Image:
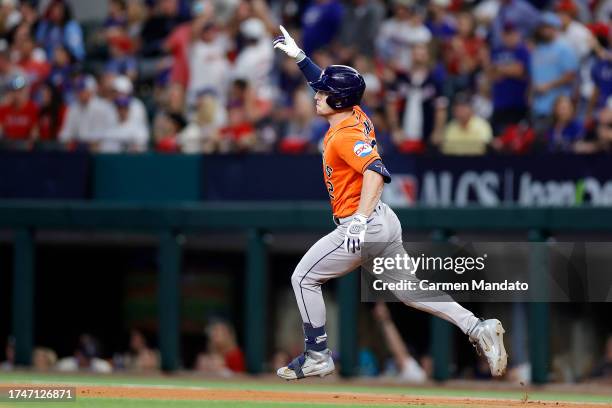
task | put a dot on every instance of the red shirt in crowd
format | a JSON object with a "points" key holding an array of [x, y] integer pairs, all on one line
{"points": [[45, 131], [178, 43], [234, 360], [464, 48], [18, 122], [237, 132]]}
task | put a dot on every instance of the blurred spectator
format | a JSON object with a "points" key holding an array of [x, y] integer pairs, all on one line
{"points": [[255, 60], [515, 139], [565, 130], [463, 53], [415, 104], [485, 12], [202, 133], [136, 14], [601, 73], [29, 14], [373, 94], [553, 70], [117, 16], [290, 79], [89, 117], [167, 128], [239, 133], [604, 127], [179, 41], [360, 24], [399, 33], [52, 112], [604, 369], [321, 24], [62, 73], [409, 369], [208, 63], [131, 131], [508, 70], [7, 70], [223, 356], [19, 115], [518, 12], [141, 356], [482, 103], [29, 58], [10, 16], [441, 23], [603, 13], [466, 134], [165, 17], [85, 358], [9, 354], [304, 129], [43, 359], [572, 31], [122, 60], [169, 119], [57, 28]]}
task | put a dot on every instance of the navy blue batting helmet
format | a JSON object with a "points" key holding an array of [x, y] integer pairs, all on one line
{"points": [[344, 85]]}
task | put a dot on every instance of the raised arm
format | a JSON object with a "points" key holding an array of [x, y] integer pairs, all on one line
{"points": [[287, 44]]}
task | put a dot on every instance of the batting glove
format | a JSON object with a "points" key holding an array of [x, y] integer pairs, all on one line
{"points": [[355, 233], [287, 44]]}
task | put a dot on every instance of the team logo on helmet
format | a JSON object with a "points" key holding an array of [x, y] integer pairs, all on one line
{"points": [[362, 149]]}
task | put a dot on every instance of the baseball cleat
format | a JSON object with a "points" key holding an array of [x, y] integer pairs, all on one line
{"points": [[310, 364], [488, 338]]}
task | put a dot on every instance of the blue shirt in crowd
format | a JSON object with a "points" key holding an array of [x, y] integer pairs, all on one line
{"points": [[443, 30], [321, 22], [602, 78], [511, 93], [518, 12], [563, 140], [121, 66], [549, 62], [69, 36]]}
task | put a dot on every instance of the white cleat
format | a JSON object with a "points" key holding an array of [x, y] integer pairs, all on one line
{"points": [[310, 364], [488, 338]]}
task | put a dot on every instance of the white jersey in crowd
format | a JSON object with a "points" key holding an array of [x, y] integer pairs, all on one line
{"points": [[396, 38], [254, 63], [131, 134], [579, 38], [88, 123], [208, 68]]}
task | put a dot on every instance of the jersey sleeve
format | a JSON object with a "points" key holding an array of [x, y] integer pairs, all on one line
{"points": [[356, 149]]}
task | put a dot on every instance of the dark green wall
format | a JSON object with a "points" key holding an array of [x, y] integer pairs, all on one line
{"points": [[146, 177]]}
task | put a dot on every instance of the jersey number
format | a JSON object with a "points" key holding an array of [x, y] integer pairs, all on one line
{"points": [[367, 128], [330, 186]]}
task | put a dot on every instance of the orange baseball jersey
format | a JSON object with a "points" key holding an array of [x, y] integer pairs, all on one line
{"points": [[348, 149]]}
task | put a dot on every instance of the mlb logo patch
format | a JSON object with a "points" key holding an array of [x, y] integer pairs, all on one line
{"points": [[362, 149]]}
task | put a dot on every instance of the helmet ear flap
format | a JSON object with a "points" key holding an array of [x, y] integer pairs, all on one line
{"points": [[333, 101], [340, 102]]}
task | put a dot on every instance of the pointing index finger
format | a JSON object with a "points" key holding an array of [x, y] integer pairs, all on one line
{"points": [[285, 33]]}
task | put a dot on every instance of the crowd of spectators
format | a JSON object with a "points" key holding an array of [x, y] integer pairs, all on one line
{"points": [[220, 354], [461, 77]]}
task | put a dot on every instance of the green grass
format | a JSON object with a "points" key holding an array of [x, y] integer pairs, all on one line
{"points": [[253, 384]]}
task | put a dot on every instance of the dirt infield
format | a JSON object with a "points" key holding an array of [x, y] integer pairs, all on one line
{"points": [[164, 393]]}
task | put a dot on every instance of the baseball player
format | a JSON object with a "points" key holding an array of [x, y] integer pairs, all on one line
{"points": [[354, 175]]}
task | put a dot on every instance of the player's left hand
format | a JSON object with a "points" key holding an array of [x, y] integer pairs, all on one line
{"points": [[287, 44], [355, 233]]}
